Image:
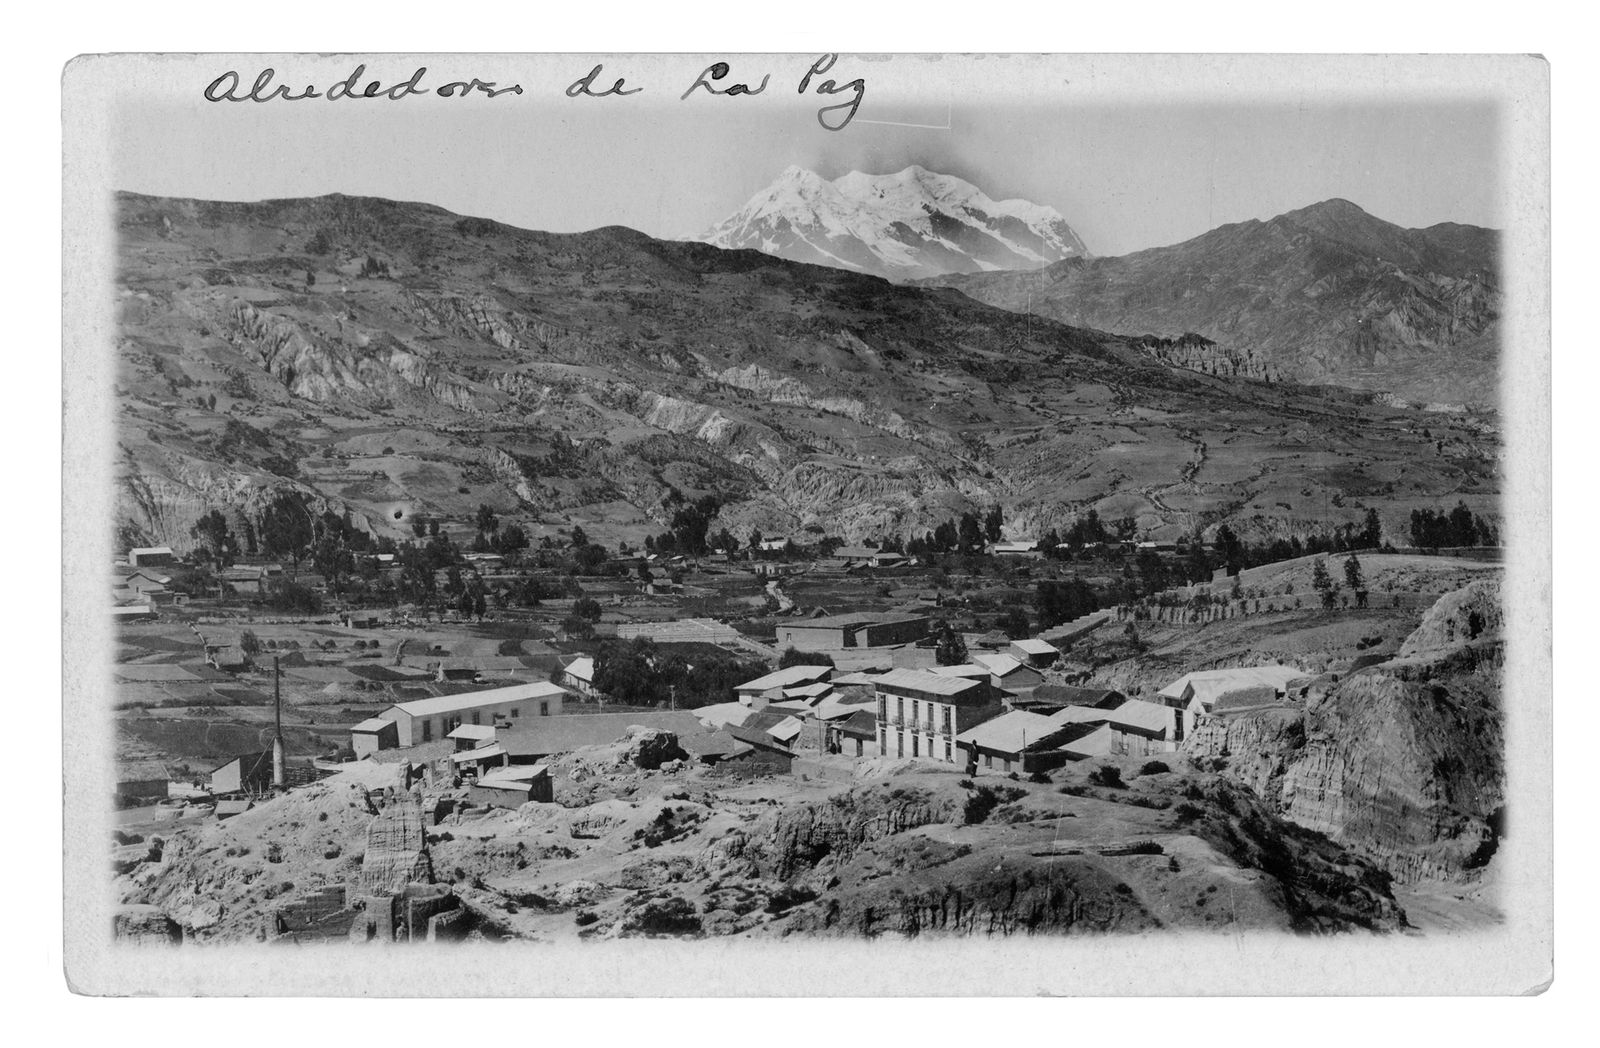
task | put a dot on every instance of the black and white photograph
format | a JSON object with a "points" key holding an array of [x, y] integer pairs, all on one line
{"points": [[805, 517]]}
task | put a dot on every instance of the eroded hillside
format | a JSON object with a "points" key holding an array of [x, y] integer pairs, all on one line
{"points": [[395, 359]]}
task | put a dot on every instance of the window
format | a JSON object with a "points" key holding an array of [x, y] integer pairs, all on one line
{"points": [[916, 744], [899, 744], [515, 712], [946, 722], [477, 717], [544, 709], [947, 751], [899, 708], [883, 706], [988, 760]]}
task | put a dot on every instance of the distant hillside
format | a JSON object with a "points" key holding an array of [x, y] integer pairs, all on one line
{"points": [[396, 360], [1327, 293]]}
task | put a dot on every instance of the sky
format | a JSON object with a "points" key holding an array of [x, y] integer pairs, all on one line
{"points": [[1132, 155]]}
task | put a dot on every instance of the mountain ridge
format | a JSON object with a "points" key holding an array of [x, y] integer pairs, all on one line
{"points": [[395, 361], [1325, 293]]}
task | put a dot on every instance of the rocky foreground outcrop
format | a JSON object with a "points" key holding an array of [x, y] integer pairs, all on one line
{"points": [[956, 858], [1404, 760]]}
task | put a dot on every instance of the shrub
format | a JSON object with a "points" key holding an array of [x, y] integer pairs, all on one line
{"points": [[986, 799], [1106, 775], [670, 916], [1187, 812], [1154, 768], [584, 918], [1039, 777], [787, 898]]}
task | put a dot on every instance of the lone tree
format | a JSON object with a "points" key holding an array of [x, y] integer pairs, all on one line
{"points": [[1352, 573], [215, 538], [1323, 584], [951, 649], [286, 528]]}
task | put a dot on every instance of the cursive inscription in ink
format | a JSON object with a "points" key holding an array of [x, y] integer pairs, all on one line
{"points": [[717, 80]]}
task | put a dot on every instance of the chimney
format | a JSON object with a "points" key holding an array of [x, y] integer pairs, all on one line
{"points": [[278, 776]]}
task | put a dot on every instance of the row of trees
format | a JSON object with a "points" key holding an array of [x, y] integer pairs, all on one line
{"points": [[640, 672], [1431, 529], [967, 534]]}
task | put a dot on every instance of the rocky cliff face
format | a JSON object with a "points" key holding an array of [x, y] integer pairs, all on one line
{"points": [[1404, 760], [1198, 353], [885, 860], [397, 848]]}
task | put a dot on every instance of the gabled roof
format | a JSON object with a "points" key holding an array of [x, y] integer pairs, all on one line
{"points": [[861, 724], [931, 683], [504, 782], [852, 620], [540, 736], [999, 665], [1035, 646], [581, 668], [478, 699], [372, 724], [789, 677], [482, 753], [966, 669], [475, 732], [1010, 732], [786, 730], [1208, 684], [1098, 741], [855, 552], [712, 744], [1145, 716], [1067, 695], [808, 691]]}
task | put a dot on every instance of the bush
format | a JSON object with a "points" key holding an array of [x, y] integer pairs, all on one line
{"points": [[1106, 775], [670, 916], [1039, 777], [986, 799], [1187, 812], [1154, 768], [584, 918], [787, 898]]}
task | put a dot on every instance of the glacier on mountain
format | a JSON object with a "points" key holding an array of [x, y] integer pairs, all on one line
{"points": [[914, 223]]}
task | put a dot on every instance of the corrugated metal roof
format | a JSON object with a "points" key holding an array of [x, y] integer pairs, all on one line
{"points": [[1009, 732], [1146, 716], [480, 754], [1209, 683], [923, 680], [478, 699], [786, 678]]}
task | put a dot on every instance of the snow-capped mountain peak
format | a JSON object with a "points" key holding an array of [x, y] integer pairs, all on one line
{"points": [[912, 223]]}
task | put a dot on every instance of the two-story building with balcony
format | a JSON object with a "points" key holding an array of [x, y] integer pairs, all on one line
{"points": [[920, 713]]}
